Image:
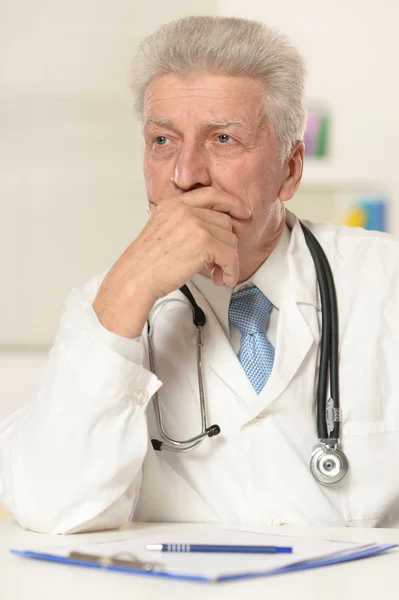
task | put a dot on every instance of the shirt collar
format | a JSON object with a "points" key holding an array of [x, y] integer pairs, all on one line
{"points": [[272, 278]]}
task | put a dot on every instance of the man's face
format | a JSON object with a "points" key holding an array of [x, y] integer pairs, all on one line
{"points": [[206, 129]]}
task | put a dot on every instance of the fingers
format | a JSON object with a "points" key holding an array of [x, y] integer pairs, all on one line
{"points": [[217, 275], [226, 237], [222, 235], [214, 217], [224, 261], [217, 200], [199, 224]]}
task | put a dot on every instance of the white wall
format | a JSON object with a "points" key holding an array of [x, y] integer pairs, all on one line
{"points": [[352, 51], [71, 188]]}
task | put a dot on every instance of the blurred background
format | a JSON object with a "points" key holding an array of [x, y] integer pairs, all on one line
{"points": [[71, 187]]}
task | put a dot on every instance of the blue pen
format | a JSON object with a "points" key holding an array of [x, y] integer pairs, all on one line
{"points": [[219, 548]]}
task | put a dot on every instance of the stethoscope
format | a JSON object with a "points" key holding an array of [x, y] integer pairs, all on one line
{"points": [[328, 464]]}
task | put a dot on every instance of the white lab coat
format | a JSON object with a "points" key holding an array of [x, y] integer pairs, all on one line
{"points": [[78, 458]]}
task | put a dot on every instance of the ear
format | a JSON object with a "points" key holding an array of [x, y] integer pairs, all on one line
{"points": [[292, 172]]}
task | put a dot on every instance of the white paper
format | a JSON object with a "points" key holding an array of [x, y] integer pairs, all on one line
{"points": [[215, 565]]}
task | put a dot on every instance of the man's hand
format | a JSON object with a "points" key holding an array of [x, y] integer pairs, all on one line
{"points": [[184, 233]]}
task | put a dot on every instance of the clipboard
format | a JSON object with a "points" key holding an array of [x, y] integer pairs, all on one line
{"points": [[129, 556]]}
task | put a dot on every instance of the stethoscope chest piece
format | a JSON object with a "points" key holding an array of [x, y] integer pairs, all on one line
{"points": [[328, 464]]}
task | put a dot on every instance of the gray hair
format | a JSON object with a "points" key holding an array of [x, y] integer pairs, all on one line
{"points": [[235, 47]]}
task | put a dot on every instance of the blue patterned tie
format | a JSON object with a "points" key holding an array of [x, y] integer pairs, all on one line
{"points": [[249, 310]]}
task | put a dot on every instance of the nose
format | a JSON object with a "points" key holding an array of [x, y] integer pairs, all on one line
{"points": [[191, 170]]}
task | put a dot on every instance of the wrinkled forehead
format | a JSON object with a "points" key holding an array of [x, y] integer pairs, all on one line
{"points": [[205, 97]]}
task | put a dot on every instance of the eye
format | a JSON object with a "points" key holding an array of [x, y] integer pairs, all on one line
{"points": [[224, 138], [161, 140]]}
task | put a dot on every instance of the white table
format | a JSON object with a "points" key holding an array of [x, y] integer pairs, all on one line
{"points": [[22, 578]]}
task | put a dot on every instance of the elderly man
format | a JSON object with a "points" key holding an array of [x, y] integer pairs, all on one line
{"points": [[221, 101]]}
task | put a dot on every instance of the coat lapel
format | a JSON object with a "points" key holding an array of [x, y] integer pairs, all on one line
{"points": [[220, 356], [293, 343], [295, 334]]}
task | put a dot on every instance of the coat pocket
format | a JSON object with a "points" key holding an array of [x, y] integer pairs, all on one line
{"points": [[371, 487]]}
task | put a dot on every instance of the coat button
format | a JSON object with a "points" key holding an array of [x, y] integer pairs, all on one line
{"points": [[279, 521], [140, 396]]}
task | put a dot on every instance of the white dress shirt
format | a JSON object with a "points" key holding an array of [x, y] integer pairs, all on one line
{"points": [[78, 457]]}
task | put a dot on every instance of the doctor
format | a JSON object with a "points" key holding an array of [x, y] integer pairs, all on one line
{"points": [[221, 101]]}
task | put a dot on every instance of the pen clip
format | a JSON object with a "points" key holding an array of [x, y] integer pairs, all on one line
{"points": [[122, 559]]}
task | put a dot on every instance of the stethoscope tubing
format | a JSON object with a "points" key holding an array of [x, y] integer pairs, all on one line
{"points": [[329, 338], [167, 442]]}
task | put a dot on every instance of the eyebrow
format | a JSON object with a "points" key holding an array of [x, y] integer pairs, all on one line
{"points": [[159, 121], [222, 124]]}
